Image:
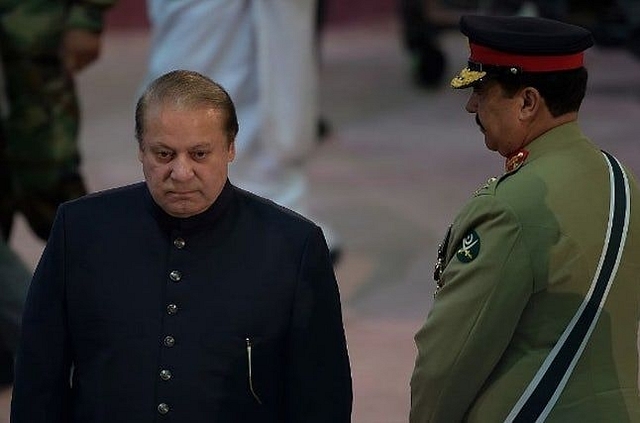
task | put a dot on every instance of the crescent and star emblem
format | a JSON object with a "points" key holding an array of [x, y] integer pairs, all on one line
{"points": [[470, 247]]}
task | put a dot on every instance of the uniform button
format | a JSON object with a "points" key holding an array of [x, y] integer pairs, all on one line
{"points": [[175, 275], [163, 408], [169, 341], [179, 243], [172, 309], [165, 374]]}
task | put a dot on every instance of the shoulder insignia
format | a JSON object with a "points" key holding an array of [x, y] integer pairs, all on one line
{"points": [[485, 186], [470, 248]]}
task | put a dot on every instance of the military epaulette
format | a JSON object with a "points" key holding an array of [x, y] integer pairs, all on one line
{"points": [[487, 188]]}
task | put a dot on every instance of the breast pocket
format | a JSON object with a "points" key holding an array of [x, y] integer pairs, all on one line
{"points": [[250, 368]]}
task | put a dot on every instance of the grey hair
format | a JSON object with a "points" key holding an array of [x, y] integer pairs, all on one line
{"points": [[186, 89]]}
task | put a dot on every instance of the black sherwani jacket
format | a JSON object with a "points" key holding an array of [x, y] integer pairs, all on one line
{"points": [[232, 315]]}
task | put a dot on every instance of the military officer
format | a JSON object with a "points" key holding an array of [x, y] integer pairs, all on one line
{"points": [[536, 310]]}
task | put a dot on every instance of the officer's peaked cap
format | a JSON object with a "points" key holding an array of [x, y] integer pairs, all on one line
{"points": [[515, 44]]}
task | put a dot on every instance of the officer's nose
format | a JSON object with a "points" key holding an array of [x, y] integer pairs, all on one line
{"points": [[472, 103]]}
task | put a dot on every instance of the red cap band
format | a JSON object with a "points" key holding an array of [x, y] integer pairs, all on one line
{"points": [[528, 63]]}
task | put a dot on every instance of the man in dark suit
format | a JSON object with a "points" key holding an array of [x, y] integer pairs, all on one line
{"points": [[183, 299]]}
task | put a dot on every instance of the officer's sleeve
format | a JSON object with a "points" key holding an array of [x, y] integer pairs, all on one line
{"points": [[42, 377], [486, 287], [88, 14], [318, 371]]}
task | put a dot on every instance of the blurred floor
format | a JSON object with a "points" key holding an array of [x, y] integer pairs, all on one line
{"points": [[399, 164]]}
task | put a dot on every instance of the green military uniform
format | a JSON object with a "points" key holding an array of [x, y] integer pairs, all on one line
{"points": [[519, 262], [41, 153]]}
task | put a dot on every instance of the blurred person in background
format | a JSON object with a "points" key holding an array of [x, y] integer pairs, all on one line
{"points": [[613, 23], [421, 22], [265, 53], [14, 279], [43, 43], [535, 316]]}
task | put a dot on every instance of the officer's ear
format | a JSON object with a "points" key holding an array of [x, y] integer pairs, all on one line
{"points": [[531, 102]]}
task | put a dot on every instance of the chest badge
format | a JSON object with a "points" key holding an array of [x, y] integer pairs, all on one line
{"points": [[470, 248]]}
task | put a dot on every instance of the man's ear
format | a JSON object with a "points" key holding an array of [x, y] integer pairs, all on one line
{"points": [[232, 151], [140, 152], [532, 101]]}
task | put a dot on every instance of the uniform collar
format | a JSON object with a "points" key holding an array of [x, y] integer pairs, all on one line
{"points": [[554, 139]]}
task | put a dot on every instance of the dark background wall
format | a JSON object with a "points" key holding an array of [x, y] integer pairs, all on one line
{"points": [[131, 14]]}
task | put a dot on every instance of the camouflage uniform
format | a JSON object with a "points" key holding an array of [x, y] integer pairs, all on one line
{"points": [[41, 157]]}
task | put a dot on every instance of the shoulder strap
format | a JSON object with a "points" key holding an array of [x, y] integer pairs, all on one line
{"points": [[545, 388]]}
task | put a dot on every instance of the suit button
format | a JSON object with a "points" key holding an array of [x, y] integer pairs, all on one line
{"points": [[163, 408], [179, 243], [169, 341], [175, 275], [172, 309], [165, 374]]}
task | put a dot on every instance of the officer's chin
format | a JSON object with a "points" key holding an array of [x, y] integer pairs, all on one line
{"points": [[492, 146]]}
